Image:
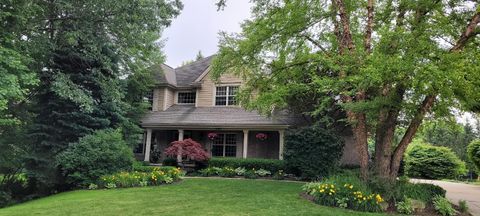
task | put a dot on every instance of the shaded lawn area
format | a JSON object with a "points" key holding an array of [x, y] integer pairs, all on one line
{"points": [[199, 196]]}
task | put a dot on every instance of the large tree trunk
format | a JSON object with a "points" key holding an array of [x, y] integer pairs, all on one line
{"points": [[409, 134]]}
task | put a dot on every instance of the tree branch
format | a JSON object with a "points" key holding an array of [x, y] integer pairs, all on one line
{"points": [[369, 27], [470, 31]]}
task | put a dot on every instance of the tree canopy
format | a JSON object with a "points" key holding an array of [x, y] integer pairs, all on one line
{"points": [[79, 66], [383, 63]]}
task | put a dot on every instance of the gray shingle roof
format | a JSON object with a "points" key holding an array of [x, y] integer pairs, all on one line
{"points": [[182, 76], [225, 117]]}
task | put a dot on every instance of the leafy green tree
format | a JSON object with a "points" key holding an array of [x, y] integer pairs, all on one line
{"points": [[450, 134], [92, 46], [385, 64], [16, 76], [473, 151]]}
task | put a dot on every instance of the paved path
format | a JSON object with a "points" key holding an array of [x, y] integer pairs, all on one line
{"points": [[459, 191]]}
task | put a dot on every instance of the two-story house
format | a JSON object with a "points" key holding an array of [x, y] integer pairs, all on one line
{"points": [[187, 103]]}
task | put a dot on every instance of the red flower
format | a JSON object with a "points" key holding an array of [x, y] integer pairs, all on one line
{"points": [[212, 135], [261, 136]]}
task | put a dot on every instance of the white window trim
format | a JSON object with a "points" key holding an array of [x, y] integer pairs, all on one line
{"points": [[178, 92], [224, 145], [227, 94]]}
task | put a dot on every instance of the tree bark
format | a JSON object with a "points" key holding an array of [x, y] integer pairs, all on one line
{"points": [[357, 119], [411, 131], [369, 28]]}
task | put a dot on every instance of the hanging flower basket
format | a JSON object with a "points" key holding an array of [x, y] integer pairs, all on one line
{"points": [[261, 136], [212, 135]]}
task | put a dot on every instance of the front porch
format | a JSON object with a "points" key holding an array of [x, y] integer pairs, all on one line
{"points": [[235, 142]]}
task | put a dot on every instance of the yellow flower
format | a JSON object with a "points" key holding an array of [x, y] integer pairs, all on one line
{"points": [[329, 193], [351, 186], [321, 191]]}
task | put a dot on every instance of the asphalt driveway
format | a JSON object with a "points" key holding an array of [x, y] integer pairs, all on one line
{"points": [[459, 191]]}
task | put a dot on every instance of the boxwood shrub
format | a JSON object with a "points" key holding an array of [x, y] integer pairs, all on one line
{"points": [[423, 160], [271, 165]]}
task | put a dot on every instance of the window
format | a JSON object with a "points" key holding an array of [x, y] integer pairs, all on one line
{"points": [[148, 98], [186, 97], [225, 145], [226, 95]]}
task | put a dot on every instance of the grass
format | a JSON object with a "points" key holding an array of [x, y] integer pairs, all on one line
{"points": [[198, 196]]}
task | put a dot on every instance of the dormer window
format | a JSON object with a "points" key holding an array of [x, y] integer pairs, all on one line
{"points": [[186, 97], [226, 96]]}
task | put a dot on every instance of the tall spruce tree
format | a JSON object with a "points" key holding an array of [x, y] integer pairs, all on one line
{"points": [[92, 45]]}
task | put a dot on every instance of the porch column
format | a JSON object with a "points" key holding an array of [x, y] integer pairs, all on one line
{"points": [[180, 134], [281, 136], [180, 138], [148, 144], [245, 143]]}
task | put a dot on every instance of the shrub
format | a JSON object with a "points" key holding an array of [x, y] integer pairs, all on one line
{"points": [[312, 152], [92, 186], [250, 174], [101, 153], [443, 206], [170, 162], [240, 171], [159, 175], [432, 162], [473, 152], [405, 206], [227, 172], [335, 191], [422, 191], [248, 163], [280, 175], [210, 171], [399, 190], [5, 199], [262, 172], [187, 148], [463, 206]]}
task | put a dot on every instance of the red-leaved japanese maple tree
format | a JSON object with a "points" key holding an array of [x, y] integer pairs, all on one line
{"points": [[187, 148]]}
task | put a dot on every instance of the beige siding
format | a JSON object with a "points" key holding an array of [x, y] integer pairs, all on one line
{"points": [[158, 99], [206, 93], [170, 97]]}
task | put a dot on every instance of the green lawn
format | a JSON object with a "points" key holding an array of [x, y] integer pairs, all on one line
{"points": [[190, 197]]}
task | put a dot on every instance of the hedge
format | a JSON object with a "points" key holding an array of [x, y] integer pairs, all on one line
{"points": [[271, 165]]}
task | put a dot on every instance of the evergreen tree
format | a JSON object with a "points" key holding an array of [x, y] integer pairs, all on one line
{"points": [[92, 46]]}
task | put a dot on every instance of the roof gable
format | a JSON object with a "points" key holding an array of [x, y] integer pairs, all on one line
{"points": [[185, 75]]}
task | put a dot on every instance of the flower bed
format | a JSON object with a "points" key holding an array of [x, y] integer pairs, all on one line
{"points": [[344, 196], [237, 172], [158, 176]]}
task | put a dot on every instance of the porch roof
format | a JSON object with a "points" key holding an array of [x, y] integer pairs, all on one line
{"points": [[188, 116]]}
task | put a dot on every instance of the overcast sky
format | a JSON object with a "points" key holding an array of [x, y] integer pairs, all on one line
{"points": [[197, 27]]}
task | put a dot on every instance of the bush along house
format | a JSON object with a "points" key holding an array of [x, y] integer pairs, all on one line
{"points": [[187, 103]]}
